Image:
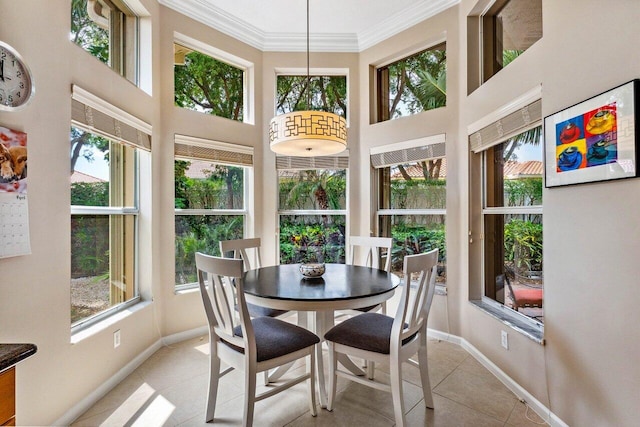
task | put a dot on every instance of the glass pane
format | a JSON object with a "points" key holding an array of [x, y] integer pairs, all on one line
{"points": [[414, 84], [103, 173], [102, 263], [513, 262], [328, 93], [416, 234], [518, 25], [203, 184], [207, 85], [514, 170], [201, 233], [312, 238], [312, 189], [90, 28], [420, 185]]}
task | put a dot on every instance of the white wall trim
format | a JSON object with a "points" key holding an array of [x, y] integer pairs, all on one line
{"points": [[519, 391], [82, 406], [220, 20]]}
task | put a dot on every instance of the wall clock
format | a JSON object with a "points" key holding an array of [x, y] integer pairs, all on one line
{"points": [[16, 85]]}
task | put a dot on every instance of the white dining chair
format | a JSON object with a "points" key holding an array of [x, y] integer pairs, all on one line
{"points": [[241, 249], [371, 250], [250, 344], [380, 338]]}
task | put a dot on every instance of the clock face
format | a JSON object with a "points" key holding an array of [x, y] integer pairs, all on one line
{"points": [[16, 87]]}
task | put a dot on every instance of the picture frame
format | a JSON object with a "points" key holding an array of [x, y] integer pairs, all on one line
{"points": [[594, 140]]}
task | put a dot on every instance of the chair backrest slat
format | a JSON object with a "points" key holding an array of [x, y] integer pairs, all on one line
{"points": [[220, 281], [239, 248], [416, 298], [373, 247]]}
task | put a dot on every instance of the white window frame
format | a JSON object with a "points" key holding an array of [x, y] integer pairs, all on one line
{"points": [[248, 201], [248, 68]]}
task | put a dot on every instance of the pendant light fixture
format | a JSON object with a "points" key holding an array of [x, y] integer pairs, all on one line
{"points": [[308, 133]]}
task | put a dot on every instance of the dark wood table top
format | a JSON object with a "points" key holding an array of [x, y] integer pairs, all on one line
{"points": [[339, 282]]}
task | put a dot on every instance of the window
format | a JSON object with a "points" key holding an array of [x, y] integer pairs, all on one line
{"points": [[498, 32], [328, 93], [312, 209], [104, 212], [413, 84], [106, 145], [412, 201], [107, 29], [208, 85], [210, 206], [511, 212]]}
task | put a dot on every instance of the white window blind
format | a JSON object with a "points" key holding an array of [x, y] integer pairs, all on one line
{"points": [[307, 163], [219, 152], [98, 116], [414, 150], [507, 127]]}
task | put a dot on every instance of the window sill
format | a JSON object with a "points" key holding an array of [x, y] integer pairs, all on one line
{"points": [[108, 322], [521, 326]]}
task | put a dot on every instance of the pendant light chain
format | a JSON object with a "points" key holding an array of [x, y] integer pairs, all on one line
{"points": [[308, 133], [308, 78]]}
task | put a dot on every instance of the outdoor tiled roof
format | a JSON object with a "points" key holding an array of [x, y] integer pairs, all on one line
{"points": [[512, 170], [83, 177]]}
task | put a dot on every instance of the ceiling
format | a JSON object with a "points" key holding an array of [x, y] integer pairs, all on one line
{"points": [[334, 25]]}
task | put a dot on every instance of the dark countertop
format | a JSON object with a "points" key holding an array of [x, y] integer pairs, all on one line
{"points": [[10, 354]]}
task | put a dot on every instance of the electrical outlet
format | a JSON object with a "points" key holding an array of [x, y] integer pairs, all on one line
{"points": [[504, 339], [116, 338]]}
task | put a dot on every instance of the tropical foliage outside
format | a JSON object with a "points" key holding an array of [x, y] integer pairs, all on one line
{"points": [[205, 84]]}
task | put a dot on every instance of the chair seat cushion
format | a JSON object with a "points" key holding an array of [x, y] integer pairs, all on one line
{"points": [[367, 309], [260, 311], [275, 338], [367, 331]]}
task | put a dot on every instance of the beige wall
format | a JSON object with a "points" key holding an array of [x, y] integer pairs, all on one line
{"points": [[586, 374]]}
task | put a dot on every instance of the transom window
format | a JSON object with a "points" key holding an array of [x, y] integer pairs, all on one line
{"points": [[498, 32], [328, 93], [208, 85], [107, 29], [413, 84]]}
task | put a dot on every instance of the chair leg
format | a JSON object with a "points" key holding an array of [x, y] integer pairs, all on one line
{"points": [[333, 377], [214, 378], [250, 397], [311, 367], [370, 368], [424, 377], [395, 372]]}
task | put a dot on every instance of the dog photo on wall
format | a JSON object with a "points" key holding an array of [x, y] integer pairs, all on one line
{"points": [[13, 161]]}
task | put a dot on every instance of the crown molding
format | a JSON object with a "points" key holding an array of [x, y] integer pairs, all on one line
{"points": [[401, 21], [224, 22]]}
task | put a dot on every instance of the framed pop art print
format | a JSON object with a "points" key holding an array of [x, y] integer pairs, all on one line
{"points": [[595, 140]]}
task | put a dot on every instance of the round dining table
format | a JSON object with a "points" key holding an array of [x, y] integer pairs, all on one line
{"points": [[341, 287]]}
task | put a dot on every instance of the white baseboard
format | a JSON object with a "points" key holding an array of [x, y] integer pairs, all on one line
{"points": [[542, 411], [185, 335], [81, 407]]}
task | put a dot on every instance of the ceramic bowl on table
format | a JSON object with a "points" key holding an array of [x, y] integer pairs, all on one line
{"points": [[312, 270]]}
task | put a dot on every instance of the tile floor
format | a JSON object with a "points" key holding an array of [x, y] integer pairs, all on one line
{"points": [[170, 387]]}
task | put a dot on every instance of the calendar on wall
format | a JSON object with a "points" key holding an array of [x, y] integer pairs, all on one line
{"points": [[14, 209]]}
